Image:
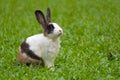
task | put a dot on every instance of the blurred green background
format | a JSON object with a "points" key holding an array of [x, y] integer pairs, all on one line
{"points": [[91, 36]]}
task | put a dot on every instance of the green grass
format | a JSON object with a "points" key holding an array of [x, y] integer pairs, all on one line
{"points": [[91, 32]]}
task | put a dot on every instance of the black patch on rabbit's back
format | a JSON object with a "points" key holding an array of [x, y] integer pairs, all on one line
{"points": [[25, 49]]}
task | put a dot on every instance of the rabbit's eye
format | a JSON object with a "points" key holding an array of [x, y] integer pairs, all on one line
{"points": [[50, 28]]}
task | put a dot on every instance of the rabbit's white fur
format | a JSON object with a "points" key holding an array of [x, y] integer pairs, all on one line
{"points": [[46, 47]]}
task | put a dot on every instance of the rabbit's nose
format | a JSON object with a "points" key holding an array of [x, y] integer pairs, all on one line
{"points": [[60, 31]]}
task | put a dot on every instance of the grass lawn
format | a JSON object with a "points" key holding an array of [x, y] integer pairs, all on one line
{"points": [[90, 47]]}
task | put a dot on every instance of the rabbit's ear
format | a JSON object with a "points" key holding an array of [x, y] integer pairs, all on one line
{"points": [[48, 16], [41, 19]]}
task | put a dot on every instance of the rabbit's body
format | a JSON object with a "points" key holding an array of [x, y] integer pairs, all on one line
{"points": [[41, 48]]}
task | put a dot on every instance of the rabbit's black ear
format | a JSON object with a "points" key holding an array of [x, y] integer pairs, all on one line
{"points": [[48, 16], [41, 19]]}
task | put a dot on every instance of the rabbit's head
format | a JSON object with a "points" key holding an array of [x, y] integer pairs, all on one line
{"points": [[51, 30]]}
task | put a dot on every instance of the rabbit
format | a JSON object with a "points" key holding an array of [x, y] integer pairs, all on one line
{"points": [[41, 48]]}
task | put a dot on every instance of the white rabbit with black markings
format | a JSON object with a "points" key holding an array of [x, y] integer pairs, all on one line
{"points": [[41, 48]]}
